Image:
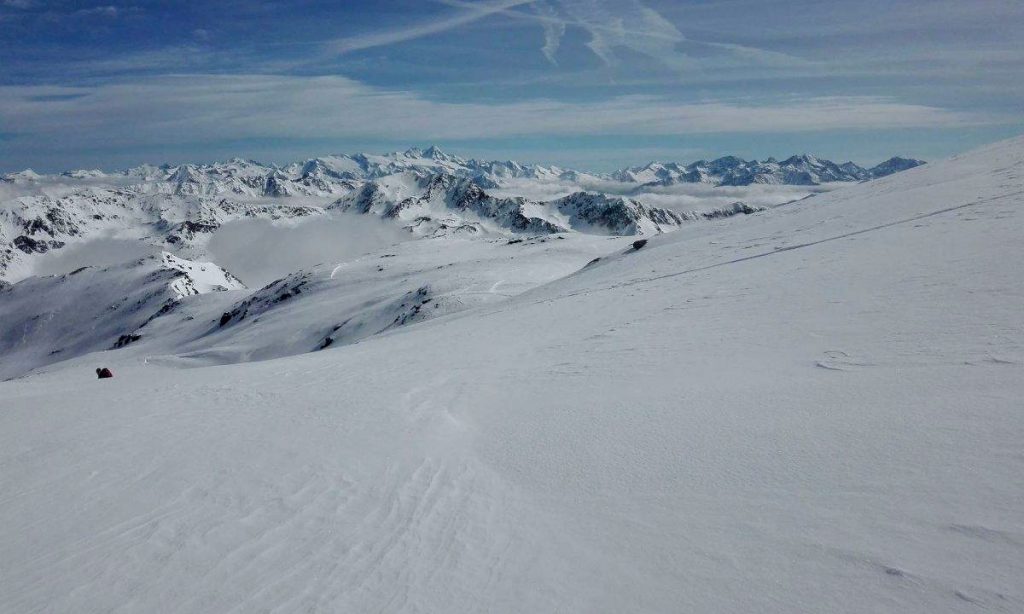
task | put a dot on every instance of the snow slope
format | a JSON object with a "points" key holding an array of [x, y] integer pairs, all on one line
{"points": [[811, 409], [49, 319], [334, 305]]}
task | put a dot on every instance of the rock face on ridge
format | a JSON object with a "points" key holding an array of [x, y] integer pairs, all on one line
{"points": [[447, 203]]}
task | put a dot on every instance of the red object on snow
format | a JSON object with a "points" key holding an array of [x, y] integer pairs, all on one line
{"points": [[104, 373]]}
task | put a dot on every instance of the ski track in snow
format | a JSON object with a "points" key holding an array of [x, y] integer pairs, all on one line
{"points": [[787, 248]]}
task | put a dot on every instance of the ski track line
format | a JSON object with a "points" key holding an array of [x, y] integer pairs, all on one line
{"points": [[779, 250]]}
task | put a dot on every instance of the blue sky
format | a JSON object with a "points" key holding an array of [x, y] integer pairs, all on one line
{"points": [[594, 84]]}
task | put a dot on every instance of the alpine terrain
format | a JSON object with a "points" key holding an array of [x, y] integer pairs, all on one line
{"points": [[420, 383]]}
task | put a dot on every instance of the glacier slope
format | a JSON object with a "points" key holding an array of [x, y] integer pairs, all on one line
{"points": [[811, 409]]}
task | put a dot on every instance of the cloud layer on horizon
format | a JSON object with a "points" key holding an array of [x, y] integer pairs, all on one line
{"points": [[195, 109]]}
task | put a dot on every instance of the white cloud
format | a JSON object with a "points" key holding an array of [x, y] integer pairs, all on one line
{"points": [[554, 30], [615, 25], [194, 109], [108, 10], [260, 251], [682, 197], [470, 13]]}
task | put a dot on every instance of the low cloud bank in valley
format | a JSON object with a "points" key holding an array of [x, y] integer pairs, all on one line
{"points": [[260, 251], [96, 252], [682, 197]]}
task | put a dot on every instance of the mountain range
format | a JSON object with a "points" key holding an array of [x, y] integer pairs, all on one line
{"points": [[427, 192], [732, 171], [332, 174]]}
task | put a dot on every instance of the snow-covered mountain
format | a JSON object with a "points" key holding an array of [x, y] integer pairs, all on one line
{"points": [[815, 408], [53, 318], [26, 176], [732, 171], [445, 203], [203, 314], [34, 225], [895, 164], [442, 203]]}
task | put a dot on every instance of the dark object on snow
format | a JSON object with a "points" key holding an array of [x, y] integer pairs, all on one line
{"points": [[104, 373], [124, 340], [639, 244]]}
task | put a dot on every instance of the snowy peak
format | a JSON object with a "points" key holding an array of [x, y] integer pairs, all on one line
{"points": [[601, 214], [434, 153], [196, 277], [26, 176], [855, 170], [724, 164], [186, 179], [895, 164], [84, 174], [805, 160]]}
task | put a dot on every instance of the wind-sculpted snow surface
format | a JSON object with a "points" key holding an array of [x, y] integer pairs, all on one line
{"points": [[811, 409]]}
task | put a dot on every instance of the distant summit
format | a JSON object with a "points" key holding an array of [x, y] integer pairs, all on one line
{"points": [[895, 164]]}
